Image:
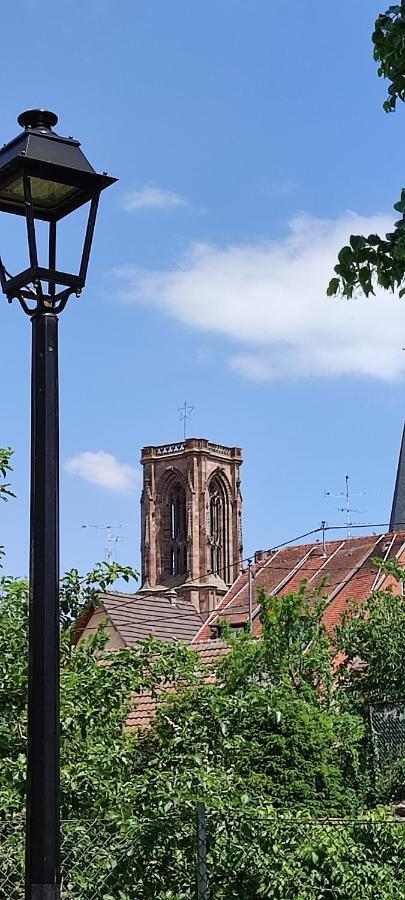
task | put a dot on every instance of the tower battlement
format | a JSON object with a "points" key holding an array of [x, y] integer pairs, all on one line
{"points": [[191, 445]]}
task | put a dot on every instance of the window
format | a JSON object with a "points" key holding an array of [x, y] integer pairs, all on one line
{"points": [[177, 521], [217, 631], [219, 529]]}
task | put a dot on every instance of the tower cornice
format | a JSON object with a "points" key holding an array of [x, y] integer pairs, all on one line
{"points": [[191, 446]]}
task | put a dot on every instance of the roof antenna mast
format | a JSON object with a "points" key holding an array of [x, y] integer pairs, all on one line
{"points": [[347, 508], [111, 539]]}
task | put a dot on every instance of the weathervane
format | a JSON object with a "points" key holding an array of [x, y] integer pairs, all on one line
{"points": [[185, 414]]}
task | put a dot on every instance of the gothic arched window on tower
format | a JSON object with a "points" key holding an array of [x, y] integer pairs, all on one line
{"points": [[219, 529], [177, 530]]}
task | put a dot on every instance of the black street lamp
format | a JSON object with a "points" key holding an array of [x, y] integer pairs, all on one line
{"points": [[44, 176]]}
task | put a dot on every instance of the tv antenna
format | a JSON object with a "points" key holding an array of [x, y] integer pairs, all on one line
{"points": [[347, 494], [185, 414], [111, 539]]}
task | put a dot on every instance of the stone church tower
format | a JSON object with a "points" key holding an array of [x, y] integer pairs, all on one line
{"points": [[191, 520]]}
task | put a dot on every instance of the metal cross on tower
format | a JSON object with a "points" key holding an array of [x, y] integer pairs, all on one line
{"points": [[185, 414]]}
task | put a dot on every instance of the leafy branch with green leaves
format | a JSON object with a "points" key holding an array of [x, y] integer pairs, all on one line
{"points": [[389, 51], [373, 261], [370, 637], [5, 489], [78, 592], [265, 745], [5, 467]]}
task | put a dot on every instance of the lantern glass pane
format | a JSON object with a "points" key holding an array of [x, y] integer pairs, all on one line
{"points": [[45, 194]]}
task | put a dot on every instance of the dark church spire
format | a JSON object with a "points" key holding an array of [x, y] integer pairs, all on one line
{"points": [[397, 521]]}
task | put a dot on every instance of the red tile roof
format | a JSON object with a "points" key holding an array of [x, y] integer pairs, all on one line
{"points": [[144, 710], [211, 652], [347, 568], [145, 704]]}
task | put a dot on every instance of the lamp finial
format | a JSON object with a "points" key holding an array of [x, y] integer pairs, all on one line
{"points": [[37, 118]]}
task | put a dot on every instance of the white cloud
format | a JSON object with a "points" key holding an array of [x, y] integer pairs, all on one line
{"points": [[270, 297], [149, 197], [104, 470]]}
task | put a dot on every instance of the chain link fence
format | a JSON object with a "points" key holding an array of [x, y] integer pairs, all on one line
{"points": [[388, 733], [303, 858], [207, 854], [202, 869]]}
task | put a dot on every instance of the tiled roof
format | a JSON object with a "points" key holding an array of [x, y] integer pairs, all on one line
{"points": [[144, 709], [137, 616], [145, 705], [346, 567], [211, 652]]}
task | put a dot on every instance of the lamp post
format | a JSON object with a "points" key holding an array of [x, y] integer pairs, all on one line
{"points": [[45, 177]]}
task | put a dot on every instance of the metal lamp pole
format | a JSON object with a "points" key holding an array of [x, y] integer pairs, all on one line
{"points": [[43, 763], [45, 176]]}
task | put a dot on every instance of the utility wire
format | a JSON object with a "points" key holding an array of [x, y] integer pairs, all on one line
{"points": [[360, 576], [206, 574], [284, 568], [230, 610], [271, 568]]}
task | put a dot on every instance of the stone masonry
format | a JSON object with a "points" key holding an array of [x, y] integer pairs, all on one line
{"points": [[191, 514]]}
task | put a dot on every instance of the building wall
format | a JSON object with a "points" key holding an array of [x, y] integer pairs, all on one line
{"points": [[99, 616]]}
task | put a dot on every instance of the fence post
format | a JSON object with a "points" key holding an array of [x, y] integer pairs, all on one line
{"points": [[202, 875]]}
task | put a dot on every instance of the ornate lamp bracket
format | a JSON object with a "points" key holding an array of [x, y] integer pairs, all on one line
{"points": [[33, 300]]}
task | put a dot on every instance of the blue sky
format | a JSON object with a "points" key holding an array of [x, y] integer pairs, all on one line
{"points": [[249, 140]]}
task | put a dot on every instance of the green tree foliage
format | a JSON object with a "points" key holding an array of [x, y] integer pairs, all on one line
{"points": [[269, 747], [267, 732], [5, 468], [371, 260], [373, 674], [371, 638], [96, 690], [5, 489], [389, 51], [77, 592]]}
